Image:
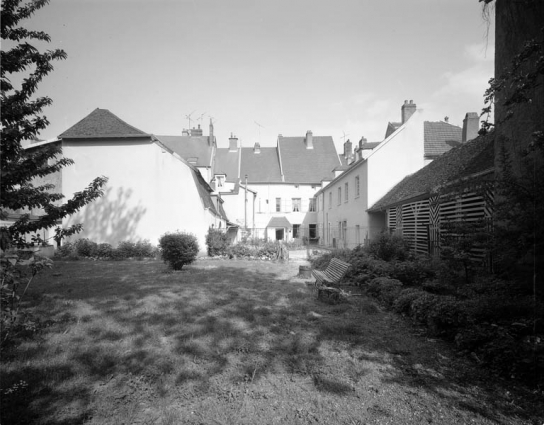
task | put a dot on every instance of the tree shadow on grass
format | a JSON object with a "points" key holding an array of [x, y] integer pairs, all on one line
{"points": [[133, 334]]}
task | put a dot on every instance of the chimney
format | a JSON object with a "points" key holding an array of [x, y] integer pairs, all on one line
{"points": [[309, 140], [185, 132], [347, 149], [471, 126], [233, 143], [196, 131], [210, 137], [257, 148], [407, 110], [360, 150]]}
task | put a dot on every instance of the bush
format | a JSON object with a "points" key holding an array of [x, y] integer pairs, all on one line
{"points": [[140, 249], [104, 250], [178, 249], [385, 289], [241, 250], [387, 247], [420, 308], [85, 248], [217, 242], [412, 272], [406, 297], [268, 250], [65, 250]]}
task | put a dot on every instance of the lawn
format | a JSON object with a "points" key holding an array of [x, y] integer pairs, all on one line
{"points": [[232, 342]]}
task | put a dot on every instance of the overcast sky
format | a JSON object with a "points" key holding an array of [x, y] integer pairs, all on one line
{"points": [[332, 67]]}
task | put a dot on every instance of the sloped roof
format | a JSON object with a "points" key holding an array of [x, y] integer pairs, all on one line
{"points": [[370, 145], [101, 123], [279, 222], [260, 167], [227, 162], [391, 128], [467, 159], [440, 137], [190, 147], [204, 192], [301, 165]]}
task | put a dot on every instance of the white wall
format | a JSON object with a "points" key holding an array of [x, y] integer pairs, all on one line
{"points": [[149, 192], [396, 157]]}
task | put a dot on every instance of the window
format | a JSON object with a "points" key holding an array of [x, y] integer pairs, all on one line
{"points": [[296, 230], [346, 192], [313, 231], [356, 186], [296, 204], [330, 200], [278, 204], [312, 207], [339, 195]]}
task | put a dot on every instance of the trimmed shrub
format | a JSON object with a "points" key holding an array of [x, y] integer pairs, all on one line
{"points": [[217, 242], [140, 249], [412, 272], [85, 248], [387, 247], [267, 250], [178, 249], [446, 316], [420, 308]]}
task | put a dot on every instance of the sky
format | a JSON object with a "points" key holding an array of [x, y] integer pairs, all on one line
{"points": [[260, 68]]}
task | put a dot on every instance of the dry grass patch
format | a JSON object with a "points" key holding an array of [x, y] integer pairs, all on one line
{"points": [[223, 342]]}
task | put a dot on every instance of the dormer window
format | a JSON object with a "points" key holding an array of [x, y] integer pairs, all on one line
{"points": [[220, 181]]}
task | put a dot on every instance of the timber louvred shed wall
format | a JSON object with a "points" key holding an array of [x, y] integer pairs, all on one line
{"points": [[457, 187]]}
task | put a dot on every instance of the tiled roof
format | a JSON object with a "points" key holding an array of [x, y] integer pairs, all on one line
{"points": [[189, 147], [227, 162], [204, 191], [101, 123], [391, 128], [279, 222], [467, 159], [301, 165], [440, 137], [260, 167]]}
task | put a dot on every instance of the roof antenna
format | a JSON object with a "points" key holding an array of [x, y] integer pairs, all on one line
{"points": [[344, 135], [201, 118], [260, 126], [189, 118]]}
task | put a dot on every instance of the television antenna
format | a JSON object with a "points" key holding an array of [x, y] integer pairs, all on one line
{"points": [[260, 126], [344, 136], [212, 120], [189, 118], [201, 118]]}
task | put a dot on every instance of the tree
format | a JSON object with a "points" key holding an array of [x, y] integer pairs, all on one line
{"points": [[22, 120]]}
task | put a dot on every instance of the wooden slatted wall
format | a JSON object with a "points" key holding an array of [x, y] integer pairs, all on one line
{"points": [[415, 218]]}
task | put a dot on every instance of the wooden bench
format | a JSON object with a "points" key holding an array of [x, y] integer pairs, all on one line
{"points": [[324, 280]]}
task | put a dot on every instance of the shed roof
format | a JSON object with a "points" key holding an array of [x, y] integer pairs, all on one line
{"points": [[101, 123], [462, 161]]}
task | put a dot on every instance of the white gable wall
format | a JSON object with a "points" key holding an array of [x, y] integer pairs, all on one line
{"points": [[149, 192]]}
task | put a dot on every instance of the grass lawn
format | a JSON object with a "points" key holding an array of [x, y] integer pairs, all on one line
{"points": [[232, 342]]}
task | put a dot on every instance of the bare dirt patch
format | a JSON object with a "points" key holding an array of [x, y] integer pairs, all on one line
{"points": [[234, 342]]}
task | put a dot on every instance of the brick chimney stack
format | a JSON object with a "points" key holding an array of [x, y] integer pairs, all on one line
{"points": [[233, 143], [347, 149], [211, 137], [309, 140], [471, 125], [407, 110]]}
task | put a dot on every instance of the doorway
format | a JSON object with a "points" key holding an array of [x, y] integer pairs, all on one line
{"points": [[279, 234]]}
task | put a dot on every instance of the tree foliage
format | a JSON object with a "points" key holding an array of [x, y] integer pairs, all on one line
{"points": [[22, 119]]}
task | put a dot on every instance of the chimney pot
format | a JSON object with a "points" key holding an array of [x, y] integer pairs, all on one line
{"points": [[233, 143]]}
